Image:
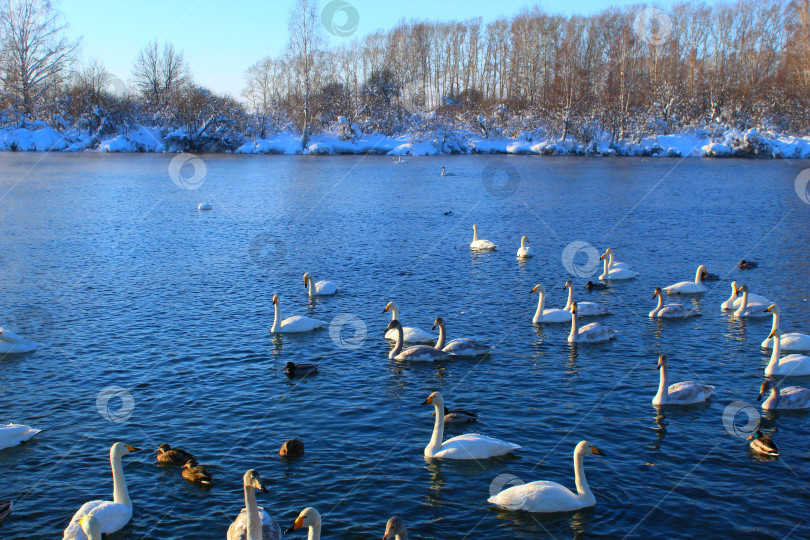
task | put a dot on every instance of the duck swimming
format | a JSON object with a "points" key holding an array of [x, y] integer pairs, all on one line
{"points": [[172, 456], [196, 473], [292, 448], [296, 370]]}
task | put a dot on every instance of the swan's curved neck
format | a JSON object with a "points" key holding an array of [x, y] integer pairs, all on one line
{"points": [[663, 387], [610, 260], [254, 525], [394, 313], [574, 327], [775, 325], [541, 302], [120, 493], [773, 399], [314, 532], [277, 317], [438, 431], [774, 356], [699, 277], [523, 242], [311, 284], [743, 304], [442, 337], [475, 234], [400, 341], [605, 266], [583, 488], [570, 299], [402, 535], [660, 305]]}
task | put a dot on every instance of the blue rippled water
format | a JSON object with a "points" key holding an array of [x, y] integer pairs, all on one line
{"points": [[108, 265]]}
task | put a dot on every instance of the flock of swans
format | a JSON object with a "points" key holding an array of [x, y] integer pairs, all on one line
{"points": [[254, 523]]}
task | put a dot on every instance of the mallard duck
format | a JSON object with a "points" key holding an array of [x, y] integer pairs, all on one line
{"points": [[172, 456], [395, 529], [292, 448], [196, 473], [5, 509], [763, 444], [294, 370], [591, 286], [459, 416], [747, 265]]}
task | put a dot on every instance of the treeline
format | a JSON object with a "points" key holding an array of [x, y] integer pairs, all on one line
{"points": [[619, 74]]}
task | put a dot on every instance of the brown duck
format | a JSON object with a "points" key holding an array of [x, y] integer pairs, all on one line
{"points": [[292, 448], [196, 473], [172, 456]]}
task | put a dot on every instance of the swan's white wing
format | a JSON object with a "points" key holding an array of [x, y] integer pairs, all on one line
{"points": [[541, 496], [555, 316], [595, 332], [617, 264], [793, 364], [466, 347], [794, 397], [14, 434], [688, 392], [111, 516], [482, 244], [752, 299], [238, 529], [422, 353], [792, 341], [411, 334], [619, 273], [754, 310], [585, 309], [300, 323], [474, 446], [676, 311], [325, 288]]}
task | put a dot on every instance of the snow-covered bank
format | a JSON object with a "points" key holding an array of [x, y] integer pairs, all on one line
{"points": [[696, 143]]}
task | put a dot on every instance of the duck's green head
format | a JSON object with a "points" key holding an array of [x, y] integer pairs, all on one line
{"points": [[757, 435]]}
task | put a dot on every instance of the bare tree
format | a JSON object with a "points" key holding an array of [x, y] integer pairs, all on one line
{"points": [[306, 41], [36, 52], [160, 74]]}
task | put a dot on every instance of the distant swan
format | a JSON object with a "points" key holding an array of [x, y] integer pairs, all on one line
{"points": [[590, 333], [411, 334], [543, 315], [790, 398], [398, 160], [790, 365], [321, 288], [12, 343], [480, 244], [747, 309], [294, 324], [253, 523], [447, 173], [681, 393], [615, 273], [467, 446], [790, 341], [461, 346], [14, 434], [689, 287], [585, 309], [524, 251], [548, 497], [205, 206], [734, 301], [670, 311], [417, 353]]}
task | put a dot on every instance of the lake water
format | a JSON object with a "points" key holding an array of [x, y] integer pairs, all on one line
{"points": [[107, 264]]}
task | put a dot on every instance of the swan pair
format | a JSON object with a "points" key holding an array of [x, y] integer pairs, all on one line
{"points": [[681, 393], [747, 309], [548, 497], [294, 324], [543, 315], [790, 341], [613, 270], [14, 434], [11, 343], [467, 446], [112, 515], [320, 288], [735, 301], [790, 398], [670, 311], [690, 287], [411, 334]]}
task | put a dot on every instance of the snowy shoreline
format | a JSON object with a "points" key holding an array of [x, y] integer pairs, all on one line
{"points": [[697, 143]]}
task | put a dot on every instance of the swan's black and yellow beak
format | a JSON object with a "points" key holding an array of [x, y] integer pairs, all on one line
{"points": [[299, 522], [386, 309], [655, 293], [428, 401], [275, 300], [596, 451], [533, 290], [131, 448]]}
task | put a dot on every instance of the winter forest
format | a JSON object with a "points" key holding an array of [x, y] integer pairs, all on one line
{"points": [[730, 78]]}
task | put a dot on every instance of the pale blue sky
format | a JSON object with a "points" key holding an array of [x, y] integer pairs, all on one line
{"points": [[221, 39]]}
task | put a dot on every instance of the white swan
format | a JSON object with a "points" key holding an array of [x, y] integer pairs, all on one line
{"points": [[681, 393], [670, 311], [14, 434], [689, 287], [748, 309], [790, 398], [590, 333], [398, 160], [524, 251], [309, 518], [585, 309], [615, 273], [613, 263], [445, 173], [395, 529], [294, 324], [467, 446], [411, 334], [790, 365], [253, 523], [735, 301], [205, 206], [790, 341], [547, 315], [91, 527], [321, 288], [547, 497], [480, 244], [111, 515], [459, 347], [417, 353], [12, 343]]}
